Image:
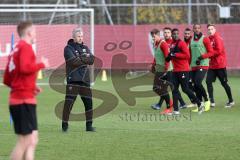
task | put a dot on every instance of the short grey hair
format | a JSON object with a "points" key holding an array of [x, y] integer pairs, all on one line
{"points": [[76, 30]]}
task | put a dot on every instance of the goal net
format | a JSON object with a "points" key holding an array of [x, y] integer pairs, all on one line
{"points": [[53, 26]]}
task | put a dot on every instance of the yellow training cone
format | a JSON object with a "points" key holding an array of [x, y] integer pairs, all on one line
{"points": [[40, 75], [104, 75]]}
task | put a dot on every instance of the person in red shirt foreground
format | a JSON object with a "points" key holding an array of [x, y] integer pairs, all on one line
{"points": [[179, 54], [20, 75], [217, 66]]}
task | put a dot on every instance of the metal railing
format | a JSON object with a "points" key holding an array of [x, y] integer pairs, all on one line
{"points": [[38, 5], [133, 8]]}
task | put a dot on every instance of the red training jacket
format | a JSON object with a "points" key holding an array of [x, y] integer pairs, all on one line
{"points": [[169, 42], [21, 72], [218, 56], [188, 41], [181, 59]]}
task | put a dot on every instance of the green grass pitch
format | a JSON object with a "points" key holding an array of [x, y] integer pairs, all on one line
{"points": [[214, 135]]}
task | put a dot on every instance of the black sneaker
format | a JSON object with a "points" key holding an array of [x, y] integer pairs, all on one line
{"points": [[64, 126], [183, 106], [229, 104], [91, 129]]}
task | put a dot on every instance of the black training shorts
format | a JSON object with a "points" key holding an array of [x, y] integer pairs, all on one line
{"points": [[24, 118]]}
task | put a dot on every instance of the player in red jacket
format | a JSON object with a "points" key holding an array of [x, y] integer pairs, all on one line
{"points": [[217, 66], [187, 40], [168, 38], [20, 76], [179, 54]]}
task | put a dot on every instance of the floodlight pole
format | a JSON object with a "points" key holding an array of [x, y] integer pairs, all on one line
{"points": [[107, 12], [134, 12], [189, 12], [24, 14]]}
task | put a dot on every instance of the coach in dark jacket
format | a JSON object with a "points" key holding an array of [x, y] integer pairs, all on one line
{"points": [[77, 57]]}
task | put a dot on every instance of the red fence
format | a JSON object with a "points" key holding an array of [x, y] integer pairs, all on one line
{"points": [[133, 41]]}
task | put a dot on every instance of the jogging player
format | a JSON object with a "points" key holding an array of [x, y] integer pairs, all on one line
{"points": [[217, 66], [160, 67], [187, 40], [179, 54], [20, 75], [168, 38], [199, 46]]}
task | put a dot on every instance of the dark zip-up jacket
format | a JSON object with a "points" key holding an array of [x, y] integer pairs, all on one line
{"points": [[77, 57]]}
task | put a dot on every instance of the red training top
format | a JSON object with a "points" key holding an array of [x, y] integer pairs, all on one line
{"points": [[21, 73], [188, 41], [218, 56], [169, 42], [181, 59]]}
